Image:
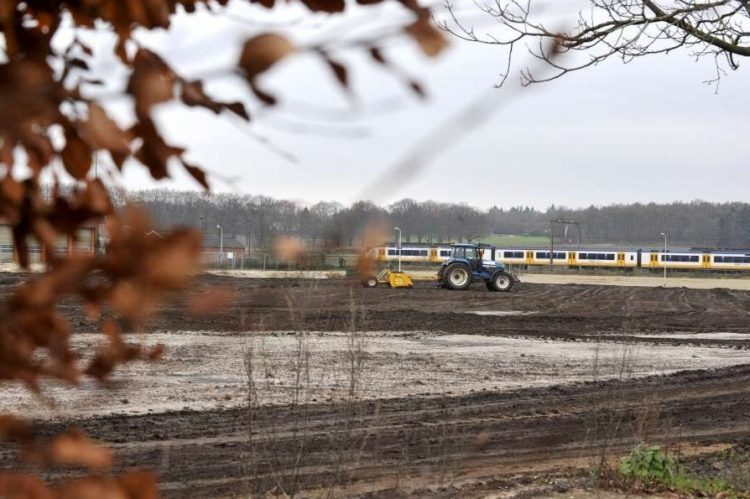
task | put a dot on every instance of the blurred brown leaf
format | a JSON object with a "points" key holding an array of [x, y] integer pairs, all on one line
{"points": [[13, 428], [152, 82], [73, 448], [198, 174], [339, 71], [287, 248], [258, 55], [23, 486], [211, 301], [193, 95], [139, 485], [101, 132], [329, 6], [263, 51], [431, 40], [76, 155]]}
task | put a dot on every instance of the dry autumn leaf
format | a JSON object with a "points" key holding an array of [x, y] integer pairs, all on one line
{"points": [[76, 155], [211, 301], [287, 248], [73, 448], [101, 132], [263, 51], [430, 39]]}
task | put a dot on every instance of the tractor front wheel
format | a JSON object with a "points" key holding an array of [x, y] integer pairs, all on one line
{"points": [[457, 276], [370, 281], [500, 281]]}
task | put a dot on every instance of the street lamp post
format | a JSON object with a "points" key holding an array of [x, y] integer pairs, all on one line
{"points": [[221, 244], [399, 247], [665, 258]]}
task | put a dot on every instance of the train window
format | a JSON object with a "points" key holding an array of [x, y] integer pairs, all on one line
{"points": [[392, 252], [693, 258], [583, 256], [611, 256], [731, 259], [445, 252], [544, 255]]}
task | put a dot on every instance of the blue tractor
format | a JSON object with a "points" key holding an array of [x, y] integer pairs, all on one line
{"points": [[474, 263]]}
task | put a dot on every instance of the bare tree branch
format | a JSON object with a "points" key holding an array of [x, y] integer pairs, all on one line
{"points": [[627, 29]]}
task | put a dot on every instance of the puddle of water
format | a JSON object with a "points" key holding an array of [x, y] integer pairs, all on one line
{"points": [[500, 313]]}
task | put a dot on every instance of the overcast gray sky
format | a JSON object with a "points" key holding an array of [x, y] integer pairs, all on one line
{"points": [[647, 131]]}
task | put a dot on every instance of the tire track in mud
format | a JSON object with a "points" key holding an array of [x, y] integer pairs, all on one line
{"points": [[419, 440]]}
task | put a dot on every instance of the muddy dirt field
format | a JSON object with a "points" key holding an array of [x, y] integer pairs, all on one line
{"points": [[422, 392]]}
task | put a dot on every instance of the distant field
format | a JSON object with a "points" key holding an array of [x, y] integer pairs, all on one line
{"points": [[513, 240]]}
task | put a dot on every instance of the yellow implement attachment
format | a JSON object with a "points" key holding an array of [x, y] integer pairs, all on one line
{"points": [[399, 280], [392, 278]]}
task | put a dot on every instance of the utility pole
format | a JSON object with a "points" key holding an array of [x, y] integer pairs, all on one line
{"points": [[399, 247], [566, 223], [664, 262], [221, 244]]}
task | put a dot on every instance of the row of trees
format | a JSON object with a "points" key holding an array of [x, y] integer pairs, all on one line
{"points": [[258, 219]]}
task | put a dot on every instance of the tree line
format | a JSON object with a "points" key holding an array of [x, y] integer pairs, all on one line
{"points": [[257, 219]]}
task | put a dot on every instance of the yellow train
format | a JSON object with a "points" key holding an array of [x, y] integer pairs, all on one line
{"points": [[691, 259]]}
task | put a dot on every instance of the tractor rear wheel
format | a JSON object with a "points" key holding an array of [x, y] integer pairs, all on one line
{"points": [[501, 281], [457, 276], [370, 281]]}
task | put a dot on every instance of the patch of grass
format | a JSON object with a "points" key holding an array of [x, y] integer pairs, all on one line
{"points": [[703, 486], [652, 466]]}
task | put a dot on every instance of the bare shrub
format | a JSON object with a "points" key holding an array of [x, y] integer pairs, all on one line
{"points": [[281, 453]]}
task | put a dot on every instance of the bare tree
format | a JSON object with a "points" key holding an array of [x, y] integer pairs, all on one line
{"points": [[604, 29]]}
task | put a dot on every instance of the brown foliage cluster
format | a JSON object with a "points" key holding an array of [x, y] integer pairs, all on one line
{"points": [[43, 100], [73, 449], [129, 280]]}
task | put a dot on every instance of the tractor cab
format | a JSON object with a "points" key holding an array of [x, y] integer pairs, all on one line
{"points": [[474, 263], [476, 255]]}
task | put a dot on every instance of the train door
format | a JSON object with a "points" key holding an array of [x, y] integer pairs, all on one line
{"points": [[638, 259], [529, 257], [381, 255], [434, 255], [620, 259], [654, 261], [705, 261], [571, 257]]}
